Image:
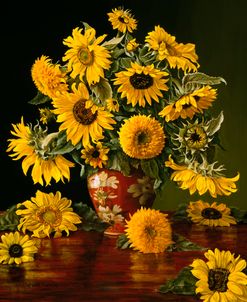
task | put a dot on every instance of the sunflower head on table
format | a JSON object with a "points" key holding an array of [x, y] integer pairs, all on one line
{"points": [[115, 102]]}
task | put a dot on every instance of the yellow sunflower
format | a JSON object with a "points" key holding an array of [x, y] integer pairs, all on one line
{"points": [[46, 115], [141, 84], [122, 20], [80, 121], [49, 78], [32, 144], [95, 156], [16, 248], [202, 178], [86, 56], [221, 278], [132, 45], [190, 104], [46, 213], [149, 231], [142, 137], [214, 215], [178, 55], [112, 105]]}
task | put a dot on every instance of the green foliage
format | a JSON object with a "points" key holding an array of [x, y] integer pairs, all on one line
{"points": [[180, 213], [123, 242], [239, 215], [39, 99], [182, 244], [90, 219], [9, 220], [183, 284]]}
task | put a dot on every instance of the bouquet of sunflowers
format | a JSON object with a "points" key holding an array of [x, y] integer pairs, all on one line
{"points": [[122, 104]]}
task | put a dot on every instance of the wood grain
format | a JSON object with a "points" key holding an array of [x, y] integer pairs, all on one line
{"points": [[87, 266]]}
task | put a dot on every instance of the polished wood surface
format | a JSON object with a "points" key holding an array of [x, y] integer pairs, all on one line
{"points": [[87, 266]]}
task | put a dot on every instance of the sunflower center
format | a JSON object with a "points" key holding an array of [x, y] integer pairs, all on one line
{"points": [[83, 115], [211, 213], [95, 154], [15, 250], [196, 138], [142, 138], [50, 216], [123, 19], [141, 81], [85, 56], [217, 279], [150, 231]]}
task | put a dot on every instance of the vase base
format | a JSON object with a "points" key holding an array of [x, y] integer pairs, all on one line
{"points": [[115, 230]]}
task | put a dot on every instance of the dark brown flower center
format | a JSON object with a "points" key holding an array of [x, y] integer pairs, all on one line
{"points": [[150, 231], [217, 279], [141, 81], [142, 138], [123, 19], [95, 154], [15, 250], [211, 213], [85, 56], [83, 115]]}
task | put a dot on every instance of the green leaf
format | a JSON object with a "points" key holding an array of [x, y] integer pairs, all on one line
{"points": [[215, 123], [183, 284], [39, 99], [182, 244], [239, 215], [102, 90], [192, 81], [90, 219], [180, 213], [9, 220], [123, 242], [150, 168], [125, 62], [110, 44]]}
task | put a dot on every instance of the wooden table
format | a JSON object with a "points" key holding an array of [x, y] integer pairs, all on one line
{"points": [[87, 266]]}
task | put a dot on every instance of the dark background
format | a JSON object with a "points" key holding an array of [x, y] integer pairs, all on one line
{"points": [[217, 27]]}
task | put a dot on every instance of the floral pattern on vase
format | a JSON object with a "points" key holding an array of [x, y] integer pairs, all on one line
{"points": [[116, 196]]}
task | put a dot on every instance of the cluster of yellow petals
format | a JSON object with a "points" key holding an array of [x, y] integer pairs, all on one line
{"points": [[221, 278], [178, 55], [149, 231], [56, 167], [195, 181], [213, 215], [190, 104], [85, 56], [46, 214], [49, 78], [122, 20]]}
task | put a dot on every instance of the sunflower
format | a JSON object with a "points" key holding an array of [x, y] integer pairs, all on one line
{"points": [[112, 104], [49, 78], [140, 84], [213, 215], [149, 231], [47, 213], [46, 115], [122, 20], [95, 156], [132, 45], [190, 104], [178, 55], [142, 137], [16, 248], [221, 278], [202, 178], [80, 121], [86, 56], [33, 145]]}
